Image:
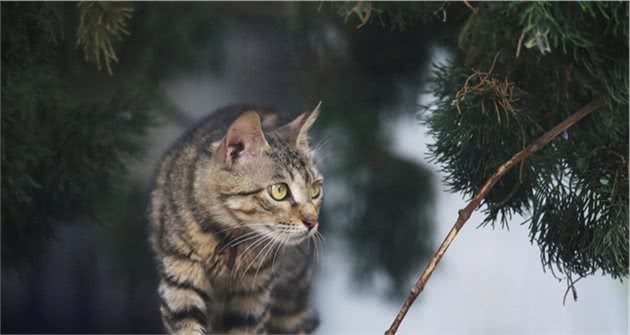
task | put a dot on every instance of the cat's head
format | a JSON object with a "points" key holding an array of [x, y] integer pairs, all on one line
{"points": [[268, 181]]}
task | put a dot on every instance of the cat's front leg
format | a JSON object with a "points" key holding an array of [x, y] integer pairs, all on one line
{"points": [[184, 298], [248, 306], [291, 311]]}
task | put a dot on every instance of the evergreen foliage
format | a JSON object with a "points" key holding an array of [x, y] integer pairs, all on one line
{"points": [[101, 25], [60, 155], [518, 69], [393, 15], [68, 129]]}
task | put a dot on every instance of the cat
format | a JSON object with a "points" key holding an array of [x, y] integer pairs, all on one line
{"points": [[234, 212]]}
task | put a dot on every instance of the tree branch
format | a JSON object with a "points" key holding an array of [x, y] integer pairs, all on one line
{"points": [[464, 214]]}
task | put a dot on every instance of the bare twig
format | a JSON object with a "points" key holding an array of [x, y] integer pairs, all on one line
{"points": [[364, 15], [519, 43], [485, 82], [571, 288], [474, 10], [464, 214]]}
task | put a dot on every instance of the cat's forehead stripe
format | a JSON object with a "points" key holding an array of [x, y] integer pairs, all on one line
{"points": [[289, 159]]}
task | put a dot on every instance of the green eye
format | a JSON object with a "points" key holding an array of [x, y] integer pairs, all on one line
{"points": [[279, 191], [314, 191]]}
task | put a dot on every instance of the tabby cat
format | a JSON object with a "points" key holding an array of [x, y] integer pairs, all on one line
{"points": [[233, 214]]}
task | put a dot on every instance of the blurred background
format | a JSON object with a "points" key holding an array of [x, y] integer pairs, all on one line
{"points": [[75, 257]]}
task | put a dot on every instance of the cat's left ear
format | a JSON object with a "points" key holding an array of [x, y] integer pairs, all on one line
{"points": [[244, 139], [296, 132]]}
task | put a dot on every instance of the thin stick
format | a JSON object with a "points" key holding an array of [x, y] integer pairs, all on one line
{"points": [[519, 43], [464, 214], [474, 10]]}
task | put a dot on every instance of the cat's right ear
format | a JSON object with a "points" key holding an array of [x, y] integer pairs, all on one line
{"points": [[296, 131], [244, 139]]}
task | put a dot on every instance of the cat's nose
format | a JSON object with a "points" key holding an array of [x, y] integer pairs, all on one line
{"points": [[310, 223]]}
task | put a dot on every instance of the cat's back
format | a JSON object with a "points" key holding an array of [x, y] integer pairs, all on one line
{"points": [[214, 126]]}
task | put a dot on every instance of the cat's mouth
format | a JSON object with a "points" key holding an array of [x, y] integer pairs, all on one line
{"points": [[302, 236], [282, 233], [311, 233], [298, 238]]}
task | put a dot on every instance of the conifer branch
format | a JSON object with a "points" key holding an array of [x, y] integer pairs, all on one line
{"points": [[466, 212], [101, 25]]}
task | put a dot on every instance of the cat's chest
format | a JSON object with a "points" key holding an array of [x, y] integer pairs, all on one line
{"points": [[237, 268]]}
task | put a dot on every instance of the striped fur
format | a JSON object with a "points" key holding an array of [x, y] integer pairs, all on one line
{"points": [[231, 258]]}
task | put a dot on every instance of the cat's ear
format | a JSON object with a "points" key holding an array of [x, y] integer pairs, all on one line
{"points": [[244, 139], [296, 132]]}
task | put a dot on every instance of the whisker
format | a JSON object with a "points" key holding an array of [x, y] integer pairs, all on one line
{"points": [[318, 251], [234, 243], [256, 242], [269, 239], [284, 246], [321, 152], [314, 242], [262, 238], [273, 260], [276, 240], [321, 237], [242, 226], [243, 238], [322, 143], [269, 243]]}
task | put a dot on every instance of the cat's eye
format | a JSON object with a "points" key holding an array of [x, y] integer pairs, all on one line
{"points": [[314, 191], [279, 191]]}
